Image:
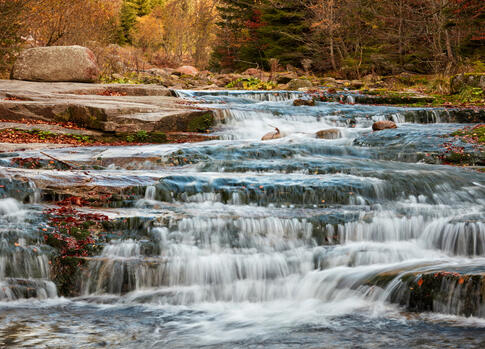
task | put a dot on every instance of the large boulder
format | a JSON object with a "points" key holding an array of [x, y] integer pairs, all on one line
{"points": [[297, 84], [56, 64], [187, 70], [383, 125]]}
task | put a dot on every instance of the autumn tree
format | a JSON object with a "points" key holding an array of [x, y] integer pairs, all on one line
{"points": [[148, 34], [13, 15], [58, 22], [238, 45]]}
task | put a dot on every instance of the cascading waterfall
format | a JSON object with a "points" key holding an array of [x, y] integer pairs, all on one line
{"points": [[24, 266], [239, 243]]}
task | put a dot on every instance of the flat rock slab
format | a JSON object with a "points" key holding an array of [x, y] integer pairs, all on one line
{"points": [[104, 107], [18, 147], [46, 88], [48, 128]]}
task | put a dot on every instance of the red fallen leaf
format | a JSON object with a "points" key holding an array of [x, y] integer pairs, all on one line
{"points": [[420, 282]]}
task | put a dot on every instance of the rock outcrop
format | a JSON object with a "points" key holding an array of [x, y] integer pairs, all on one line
{"points": [[56, 64], [112, 108]]}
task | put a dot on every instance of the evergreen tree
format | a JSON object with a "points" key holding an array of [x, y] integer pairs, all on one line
{"points": [[283, 31], [130, 10], [142, 7], [127, 21], [252, 32]]}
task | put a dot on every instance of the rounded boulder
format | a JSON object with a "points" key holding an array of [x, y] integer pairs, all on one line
{"points": [[56, 64]]}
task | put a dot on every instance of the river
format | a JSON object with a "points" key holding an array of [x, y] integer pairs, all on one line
{"points": [[296, 242]]}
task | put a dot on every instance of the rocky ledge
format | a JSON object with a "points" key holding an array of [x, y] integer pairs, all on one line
{"points": [[106, 108]]}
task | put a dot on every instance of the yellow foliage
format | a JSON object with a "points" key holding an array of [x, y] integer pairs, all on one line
{"points": [[149, 33]]}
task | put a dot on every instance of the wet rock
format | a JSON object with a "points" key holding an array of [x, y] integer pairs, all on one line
{"points": [[331, 133], [307, 102], [187, 70], [383, 125], [56, 64], [442, 291], [297, 84], [272, 135]]}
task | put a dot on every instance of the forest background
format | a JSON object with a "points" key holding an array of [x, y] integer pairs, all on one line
{"points": [[341, 38]]}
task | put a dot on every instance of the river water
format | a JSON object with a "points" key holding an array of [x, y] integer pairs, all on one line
{"points": [[239, 243]]}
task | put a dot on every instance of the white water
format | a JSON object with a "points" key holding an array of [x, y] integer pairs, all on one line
{"points": [[277, 244]]}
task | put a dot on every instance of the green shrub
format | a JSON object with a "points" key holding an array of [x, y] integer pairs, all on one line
{"points": [[251, 84]]}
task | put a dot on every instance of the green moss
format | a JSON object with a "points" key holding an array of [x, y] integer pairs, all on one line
{"points": [[130, 78], [83, 116], [201, 123], [137, 137]]}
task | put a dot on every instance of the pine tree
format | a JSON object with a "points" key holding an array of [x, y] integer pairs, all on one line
{"points": [[130, 10], [283, 31], [252, 32], [142, 7], [127, 21]]}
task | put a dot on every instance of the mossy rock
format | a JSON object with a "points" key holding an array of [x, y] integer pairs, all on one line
{"points": [[201, 123], [445, 292], [83, 116], [462, 81], [296, 84], [139, 137]]}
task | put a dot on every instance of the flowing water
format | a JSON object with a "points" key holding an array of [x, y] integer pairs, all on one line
{"points": [[236, 243]]}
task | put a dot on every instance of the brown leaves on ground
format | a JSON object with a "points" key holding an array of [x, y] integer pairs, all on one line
{"points": [[69, 125], [20, 137], [111, 93]]}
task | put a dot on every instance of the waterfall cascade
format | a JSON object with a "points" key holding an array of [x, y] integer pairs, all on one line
{"points": [[239, 243]]}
